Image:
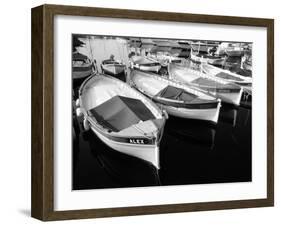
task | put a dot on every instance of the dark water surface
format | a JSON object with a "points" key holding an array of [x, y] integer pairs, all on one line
{"points": [[191, 152]]}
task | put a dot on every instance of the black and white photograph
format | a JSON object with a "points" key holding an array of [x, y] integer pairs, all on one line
{"points": [[160, 112]]}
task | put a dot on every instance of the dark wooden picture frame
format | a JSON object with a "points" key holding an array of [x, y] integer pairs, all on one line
{"points": [[42, 203]]}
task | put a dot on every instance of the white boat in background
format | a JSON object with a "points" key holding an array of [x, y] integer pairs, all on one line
{"points": [[164, 59], [227, 92], [234, 51], [230, 49], [145, 64], [113, 68], [184, 44], [177, 99], [121, 117], [207, 59], [162, 45], [201, 47], [226, 75], [82, 66], [147, 43]]}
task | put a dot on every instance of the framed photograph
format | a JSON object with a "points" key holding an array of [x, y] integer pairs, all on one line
{"points": [[141, 112]]}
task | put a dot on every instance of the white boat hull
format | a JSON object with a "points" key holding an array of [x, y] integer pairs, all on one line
{"points": [[113, 69], [214, 71], [231, 98], [149, 153], [206, 60], [228, 97], [149, 68], [211, 114], [233, 53], [81, 74]]}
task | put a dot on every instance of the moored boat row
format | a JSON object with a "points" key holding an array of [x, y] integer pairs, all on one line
{"points": [[130, 117], [227, 92], [177, 99]]}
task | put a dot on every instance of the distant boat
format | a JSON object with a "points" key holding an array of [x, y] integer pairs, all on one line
{"points": [[162, 45], [82, 66], [177, 99], [234, 51], [246, 61], [121, 117], [230, 49], [226, 75], [134, 42], [185, 53], [145, 64], [113, 68], [147, 43], [176, 48], [202, 47], [164, 60], [227, 92], [184, 44], [207, 59]]}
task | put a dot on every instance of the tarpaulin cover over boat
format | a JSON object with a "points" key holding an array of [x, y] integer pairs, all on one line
{"points": [[175, 93], [121, 112]]}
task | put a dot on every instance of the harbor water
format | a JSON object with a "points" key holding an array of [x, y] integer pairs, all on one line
{"points": [[191, 151]]}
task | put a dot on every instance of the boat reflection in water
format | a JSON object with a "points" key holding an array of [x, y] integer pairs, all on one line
{"points": [[99, 166], [193, 132], [192, 152]]}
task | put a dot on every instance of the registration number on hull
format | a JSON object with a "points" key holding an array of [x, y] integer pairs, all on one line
{"points": [[136, 141]]}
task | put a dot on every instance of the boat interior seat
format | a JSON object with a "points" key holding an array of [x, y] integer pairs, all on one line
{"points": [[121, 112], [171, 92]]}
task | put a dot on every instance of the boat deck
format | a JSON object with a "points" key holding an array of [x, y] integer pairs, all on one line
{"points": [[120, 112]]}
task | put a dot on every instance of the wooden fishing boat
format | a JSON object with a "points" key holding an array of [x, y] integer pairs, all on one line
{"points": [[227, 92], [176, 48], [134, 42], [177, 99], [162, 46], [121, 117], [147, 43], [82, 66], [164, 59], [207, 59], [202, 47], [184, 44], [230, 49], [234, 51], [246, 61], [145, 64], [226, 75], [113, 68]]}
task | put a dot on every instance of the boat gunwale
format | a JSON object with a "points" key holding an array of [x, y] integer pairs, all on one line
{"points": [[93, 122], [113, 135], [199, 73], [204, 88], [175, 83], [248, 79], [180, 103]]}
